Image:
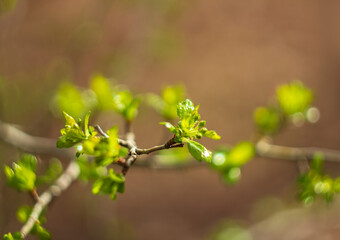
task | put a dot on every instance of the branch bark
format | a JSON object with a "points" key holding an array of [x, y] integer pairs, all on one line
{"points": [[265, 149], [28, 143], [62, 183]]}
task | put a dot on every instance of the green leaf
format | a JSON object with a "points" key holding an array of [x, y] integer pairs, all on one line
{"points": [[105, 150], [126, 105], [72, 133], [23, 213], [71, 100], [104, 92], [241, 153], [185, 108], [86, 124], [14, 236], [212, 134], [198, 151], [220, 159], [294, 97], [167, 104], [29, 161], [189, 126], [90, 170], [110, 184], [52, 172], [232, 175], [22, 174], [42, 233], [169, 126], [267, 120]]}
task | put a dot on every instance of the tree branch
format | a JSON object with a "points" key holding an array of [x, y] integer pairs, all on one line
{"points": [[265, 149], [63, 182], [28, 143]]}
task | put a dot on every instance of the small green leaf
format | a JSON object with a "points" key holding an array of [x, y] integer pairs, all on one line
{"points": [[241, 153], [72, 133], [86, 124], [90, 170], [169, 126], [185, 108], [42, 233], [198, 151], [22, 174], [212, 134], [267, 120], [29, 161], [167, 104], [14, 236], [294, 97], [69, 99], [109, 184], [104, 92], [23, 213], [126, 105], [220, 159], [232, 175], [52, 172]]}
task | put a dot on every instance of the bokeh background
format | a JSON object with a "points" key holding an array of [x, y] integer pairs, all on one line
{"points": [[230, 55]]}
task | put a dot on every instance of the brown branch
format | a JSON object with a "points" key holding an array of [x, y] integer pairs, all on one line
{"points": [[25, 142], [63, 182], [265, 149]]}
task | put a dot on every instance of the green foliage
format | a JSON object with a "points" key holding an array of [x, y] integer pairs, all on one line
{"points": [[241, 153], [190, 127], [109, 184], [101, 96], [109, 98], [294, 97], [268, 120], [14, 236], [228, 230], [90, 170], [22, 174], [126, 104], [73, 132], [229, 161], [103, 90], [198, 151], [105, 150], [166, 105], [294, 103], [315, 183], [23, 214], [52, 172], [73, 101]]}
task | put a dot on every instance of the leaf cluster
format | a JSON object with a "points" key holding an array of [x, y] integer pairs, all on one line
{"points": [[101, 95], [191, 127], [22, 175], [315, 183], [110, 184], [166, 104], [23, 214], [293, 102], [105, 149], [229, 161]]}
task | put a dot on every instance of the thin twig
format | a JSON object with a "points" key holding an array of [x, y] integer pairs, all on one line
{"points": [[63, 182], [140, 151], [265, 149]]}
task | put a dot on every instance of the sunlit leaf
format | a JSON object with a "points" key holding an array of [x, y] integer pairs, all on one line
{"points": [[294, 97]]}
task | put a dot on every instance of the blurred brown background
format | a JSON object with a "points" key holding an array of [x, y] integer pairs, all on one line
{"points": [[230, 55]]}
